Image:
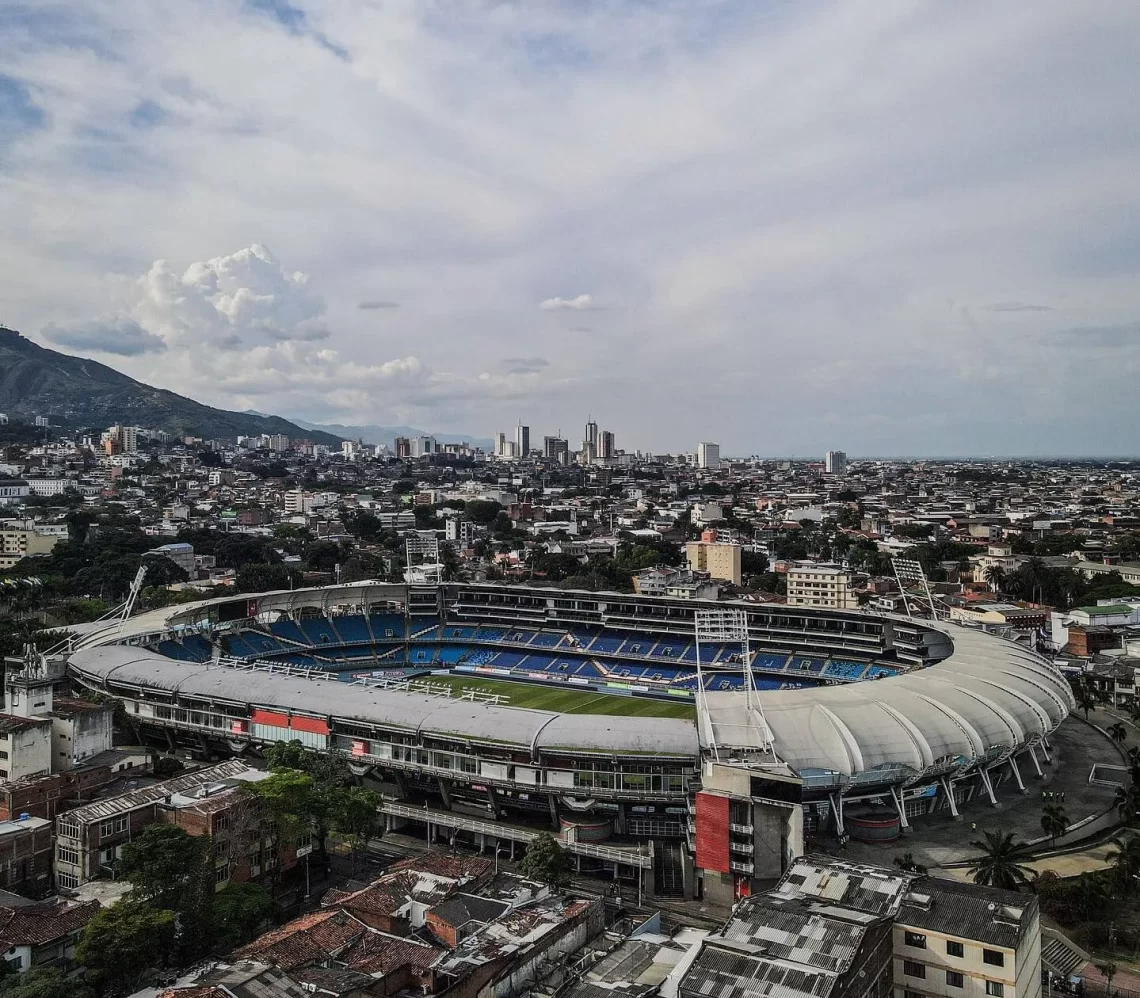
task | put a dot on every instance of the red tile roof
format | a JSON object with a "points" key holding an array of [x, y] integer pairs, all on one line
{"points": [[311, 938], [38, 924]]}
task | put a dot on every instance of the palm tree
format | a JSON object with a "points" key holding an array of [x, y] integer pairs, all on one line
{"points": [[1125, 859], [1000, 864], [1085, 701], [1125, 803], [995, 576], [1118, 732], [908, 863], [1054, 821]]}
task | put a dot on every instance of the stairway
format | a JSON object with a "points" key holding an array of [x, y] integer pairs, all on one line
{"points": [[1061, 956], [668, 871]]}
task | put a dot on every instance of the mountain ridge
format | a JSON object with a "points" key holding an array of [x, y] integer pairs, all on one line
{"points": [[79, 392]]}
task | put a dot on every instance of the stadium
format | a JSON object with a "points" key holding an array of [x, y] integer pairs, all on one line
{"points": [[689, 746]]}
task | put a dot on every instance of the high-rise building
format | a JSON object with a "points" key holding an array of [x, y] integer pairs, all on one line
{"points": [[606, 449], [501, 445], [124, 439], [835, 462], [826, 586], [278, 443], [590, 443], [708, 456], [403, 447], [522, 440], [721, 561], [555, 449]]}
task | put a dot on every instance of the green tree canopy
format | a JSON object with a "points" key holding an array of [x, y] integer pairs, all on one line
{"points": [[546, 862], [122, 942]]}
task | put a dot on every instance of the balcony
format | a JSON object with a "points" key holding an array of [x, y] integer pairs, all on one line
{"points": [[740, 829], [747, 848], [739, 866]]}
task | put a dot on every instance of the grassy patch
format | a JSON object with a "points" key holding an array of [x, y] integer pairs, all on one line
{"points": [[566, 701]]}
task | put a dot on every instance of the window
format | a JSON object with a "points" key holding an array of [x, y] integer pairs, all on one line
{"points": [[995, 989], [222, 874], [993, 957], [915, 939], [68, 855], [953, 979], [954, 948], [221, 822], [912, 994], [113, 826], [912, 969], [66, 881]]}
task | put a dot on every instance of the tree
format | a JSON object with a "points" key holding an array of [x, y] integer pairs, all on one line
{"points": [[167, 765], [160, 862], [261, 578], [122, 942], [546, 862], [995, 576], [43, 982], [1085, 700], [908, 863], [1054, 821], [1125, 860], [237, 912], [1125, 802], [1108, 969], [1118, 732], [1000, 864]]}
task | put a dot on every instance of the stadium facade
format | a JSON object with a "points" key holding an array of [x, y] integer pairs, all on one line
{"points": [[847, 721]]}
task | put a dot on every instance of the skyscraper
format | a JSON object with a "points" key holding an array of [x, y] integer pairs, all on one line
{"points": [[708, 456], [606, 450], [835, 463], [590, 442], [522, 440], [555, 449]]}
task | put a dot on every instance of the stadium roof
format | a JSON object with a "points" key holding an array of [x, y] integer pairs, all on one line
{"points": [[990, 697]]}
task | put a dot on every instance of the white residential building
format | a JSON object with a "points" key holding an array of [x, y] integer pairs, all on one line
{"points": [[821, 585], [835, 463]]}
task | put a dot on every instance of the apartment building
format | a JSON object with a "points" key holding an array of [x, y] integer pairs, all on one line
{"points": [[16, 544], [821, 585], [25, 854], [719, 560], [956, 940], [90, 838]]}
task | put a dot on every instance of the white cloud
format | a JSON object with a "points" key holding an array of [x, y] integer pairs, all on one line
{"points": [[578, 304], [241, 298], [894, 201]]}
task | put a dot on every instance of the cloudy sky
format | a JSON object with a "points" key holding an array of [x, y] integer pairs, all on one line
{"points": [[888, 227]]}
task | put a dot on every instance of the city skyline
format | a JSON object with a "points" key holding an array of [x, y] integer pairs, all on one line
{"points": [[565, 209]]}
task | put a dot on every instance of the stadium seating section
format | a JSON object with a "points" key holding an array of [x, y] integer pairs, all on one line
{"points": [[590, 656]]}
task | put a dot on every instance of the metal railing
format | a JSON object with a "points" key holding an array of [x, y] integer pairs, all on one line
{"points": [[630, 856]]}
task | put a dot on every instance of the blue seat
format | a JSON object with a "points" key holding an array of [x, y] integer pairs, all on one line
{"points": [[842, 669], [289, 630], [544, 639], [386, 626], [806, 663], [197, 648], [353, 629], [318, 631]]}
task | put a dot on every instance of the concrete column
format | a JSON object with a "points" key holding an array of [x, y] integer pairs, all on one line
{"points": [[552, 800], [836, 801], [984, 776], [493, 800], [445, 793], [950, 799], [1036, 764], [1017, 774], [401, 785], [620, 820], [903, 823]]}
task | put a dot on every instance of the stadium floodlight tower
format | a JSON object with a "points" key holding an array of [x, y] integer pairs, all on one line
{"points": [[908, 573], [729, 711], [423, 565]]}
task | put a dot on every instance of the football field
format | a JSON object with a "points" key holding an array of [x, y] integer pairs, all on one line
{"points": [[562, 700]]}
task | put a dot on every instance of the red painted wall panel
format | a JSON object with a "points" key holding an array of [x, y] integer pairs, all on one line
{"points": [[313, 724], [270, 717], [712, 832]]}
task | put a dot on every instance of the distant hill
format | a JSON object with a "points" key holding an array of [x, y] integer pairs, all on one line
{"points": [[77, 392], [372, 434]]}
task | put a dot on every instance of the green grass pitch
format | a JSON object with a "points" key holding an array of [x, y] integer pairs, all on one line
{"points": [[565, 701]]}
